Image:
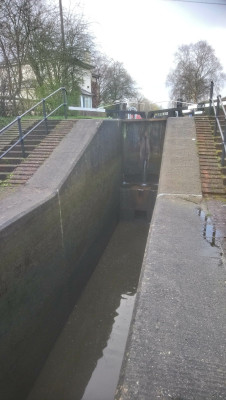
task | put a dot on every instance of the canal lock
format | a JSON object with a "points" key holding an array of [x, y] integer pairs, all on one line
{"points": [[142, 153], [85, 361]]}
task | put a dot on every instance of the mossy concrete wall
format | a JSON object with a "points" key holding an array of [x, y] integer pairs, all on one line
{"points": [[52, 232], [142, 139]]}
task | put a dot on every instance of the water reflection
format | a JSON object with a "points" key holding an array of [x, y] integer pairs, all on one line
{"points": [[86, 359], [106, 374], [210, 233]]}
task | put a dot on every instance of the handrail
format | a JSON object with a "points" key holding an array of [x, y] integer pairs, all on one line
{"points": [[45, 119], [222, 106], [217, 124]]}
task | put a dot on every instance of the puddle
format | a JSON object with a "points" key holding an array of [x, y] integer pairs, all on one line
{"points": [[210, 233]]}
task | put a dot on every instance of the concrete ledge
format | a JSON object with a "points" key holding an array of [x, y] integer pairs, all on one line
{"points": [[180, 173], [176, 346]]}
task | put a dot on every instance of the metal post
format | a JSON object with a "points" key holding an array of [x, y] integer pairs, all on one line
{"points": [[217, 113], [211, 96], [65, 102], [124, 135], [44, 114], [223, 150], [21, 136]]}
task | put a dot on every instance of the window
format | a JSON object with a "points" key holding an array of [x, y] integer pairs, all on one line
{"points": [[86, 101]]}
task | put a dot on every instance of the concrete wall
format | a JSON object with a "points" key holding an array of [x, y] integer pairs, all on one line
{"points": [[52, 232], [134, 133]]}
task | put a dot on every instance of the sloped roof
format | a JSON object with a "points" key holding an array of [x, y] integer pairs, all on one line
{"points": [[85, 92]]}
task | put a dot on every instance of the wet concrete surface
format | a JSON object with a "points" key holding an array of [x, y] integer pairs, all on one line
{"points": [[176, 346], [86, 359], [215, 208]]}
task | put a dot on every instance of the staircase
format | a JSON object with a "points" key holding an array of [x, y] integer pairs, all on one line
{"points": [[14, 169], [213, 175]]}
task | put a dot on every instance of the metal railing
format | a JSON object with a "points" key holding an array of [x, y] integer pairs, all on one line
{"points": [[218, 126], [17, 120]]}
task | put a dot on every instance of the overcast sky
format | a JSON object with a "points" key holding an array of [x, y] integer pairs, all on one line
{"points": [[145, 34]]}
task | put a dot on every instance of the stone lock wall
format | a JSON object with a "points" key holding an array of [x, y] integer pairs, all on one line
{"points": [[50, 240]]}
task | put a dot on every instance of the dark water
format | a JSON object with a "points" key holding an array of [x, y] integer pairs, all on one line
{"points": [[86, 359]]}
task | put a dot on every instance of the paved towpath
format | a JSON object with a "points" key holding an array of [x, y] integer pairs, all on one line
{"points": [[177, 343]]}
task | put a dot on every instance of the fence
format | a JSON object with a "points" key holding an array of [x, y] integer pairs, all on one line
{"points": [[17, 121]]}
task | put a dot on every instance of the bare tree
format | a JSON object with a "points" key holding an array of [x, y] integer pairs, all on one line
{"points": [[115, 82], [144, 104], [32, 52], [195, 67], [17, 21], [56, 64]]}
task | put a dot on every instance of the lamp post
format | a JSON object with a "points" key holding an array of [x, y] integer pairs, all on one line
{"points": [[62, 24], [63, 43]]}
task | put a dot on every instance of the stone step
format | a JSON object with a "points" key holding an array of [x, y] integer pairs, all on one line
{"points": [[39, 145], [7, 167], [208, 150], [11, 160], [209, 161], [7, 138], [3, 175], [39, 154], [207, 154], [39, 158], [206, 146], [211, 173], [22, 175], [219, 146], [25, 169], [210, 184], [206, 123], [213, 191], [214, 166], [203, 138], [205, 135], [204, 127], [213, 183], [27, 147], [207, 138], [14, 154], [45, 144], [30, 163], [32, 141], [17, 181]]}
